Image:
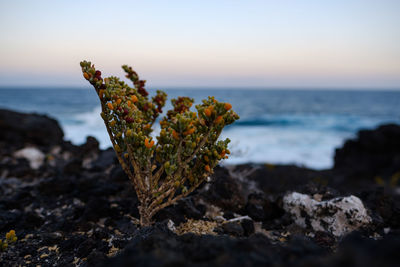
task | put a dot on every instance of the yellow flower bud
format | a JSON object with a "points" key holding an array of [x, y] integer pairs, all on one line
{"points": [[117, 148]]}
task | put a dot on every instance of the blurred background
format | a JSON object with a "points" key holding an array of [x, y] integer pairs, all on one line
{"points": [[303, 75]]}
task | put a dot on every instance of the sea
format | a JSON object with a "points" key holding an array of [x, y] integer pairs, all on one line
{"points": [[282, 126]]}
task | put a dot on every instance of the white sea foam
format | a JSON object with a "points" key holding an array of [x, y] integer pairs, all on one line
{"points": [[87, 123], [311, 147]]}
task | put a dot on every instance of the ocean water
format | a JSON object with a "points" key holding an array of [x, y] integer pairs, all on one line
{"points": [[300, 127]]}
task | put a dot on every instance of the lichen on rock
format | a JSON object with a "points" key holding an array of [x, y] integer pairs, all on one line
{"points": [[338, 216]]}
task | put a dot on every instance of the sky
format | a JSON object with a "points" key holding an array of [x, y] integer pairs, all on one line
{"points": [[266, 44]]}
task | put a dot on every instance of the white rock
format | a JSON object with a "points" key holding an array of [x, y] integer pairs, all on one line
{"points": [[33, 155], [338, 216], [171, 225]]}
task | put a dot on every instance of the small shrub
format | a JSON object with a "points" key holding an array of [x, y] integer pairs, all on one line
{"points": [[187, 148], [10, 239]]}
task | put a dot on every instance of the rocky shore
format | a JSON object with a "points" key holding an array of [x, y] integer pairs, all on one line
{"points": [[73, 206]]}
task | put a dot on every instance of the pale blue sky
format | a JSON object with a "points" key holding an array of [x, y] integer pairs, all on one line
{"points": [[282, 43]]}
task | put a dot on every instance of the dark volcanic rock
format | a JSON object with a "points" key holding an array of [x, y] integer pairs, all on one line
{"points": [[18, 129], [159, 247], [357, 250], [79, 208], [180, 211], [277, 179], [261, 208], [248, 227], [73, 166], [105, 160], [233, 228], [254, 207], [90, 146], [18, 167], [373, 153], [386, 207], [225, 191]]}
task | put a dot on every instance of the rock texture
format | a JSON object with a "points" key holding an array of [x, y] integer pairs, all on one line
{"points": [[338, 216]]}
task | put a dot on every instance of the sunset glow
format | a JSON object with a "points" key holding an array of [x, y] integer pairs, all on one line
{"points": [[318, 44]]}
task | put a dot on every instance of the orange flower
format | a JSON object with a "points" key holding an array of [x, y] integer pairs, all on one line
{"points": [[134, 99], [207, 111], [129, 103], [147, 143], [218, 119], [86, 75], [119, 101], [190, 131], [110, 105], [227, 106], [175, 134], [207, 168]]}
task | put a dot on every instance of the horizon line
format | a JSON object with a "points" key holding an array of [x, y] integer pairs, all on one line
{"points": [[180, 87]]}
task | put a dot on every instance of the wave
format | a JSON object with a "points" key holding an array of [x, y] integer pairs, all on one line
{"points": [[277, 145], [308, 140], [267, 122], [337, 123]]}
